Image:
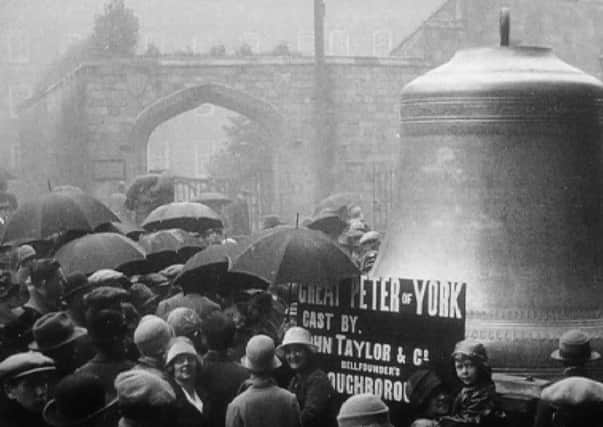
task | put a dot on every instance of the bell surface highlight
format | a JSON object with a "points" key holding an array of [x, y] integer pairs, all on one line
{"points": [[500, 187]]}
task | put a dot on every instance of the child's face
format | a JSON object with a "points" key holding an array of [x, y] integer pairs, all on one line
{"points": [[466, 370]]}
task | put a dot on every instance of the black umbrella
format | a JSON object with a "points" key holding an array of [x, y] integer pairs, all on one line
{"points": [[125, 228], [54, 213], [102, 250], [287, 254], [189, 216], [208, 270]]}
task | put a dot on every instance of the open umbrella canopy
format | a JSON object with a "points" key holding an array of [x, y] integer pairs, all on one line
{"points": [[167, 247], [125, 228], [288, 254], [208, 269], [56, 212], [189, 216], [93, 252]]}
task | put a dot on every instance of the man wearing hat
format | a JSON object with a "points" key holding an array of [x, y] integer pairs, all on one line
{"points": [[92, 409], [263, 403], [107, 329], [220, 376], [26, 378], [76, 286], [57, 336], [369, 249], [574, 352], [575, 402], [45, 296], [145, 399]]}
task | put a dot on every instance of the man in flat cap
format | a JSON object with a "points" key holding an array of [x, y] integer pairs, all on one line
{"points": [[26, 379]]}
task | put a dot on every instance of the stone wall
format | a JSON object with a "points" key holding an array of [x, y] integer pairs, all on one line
{"points": [[108, 110]]}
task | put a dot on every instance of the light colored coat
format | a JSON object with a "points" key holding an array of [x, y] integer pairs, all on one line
{"points": [[263, 405]]}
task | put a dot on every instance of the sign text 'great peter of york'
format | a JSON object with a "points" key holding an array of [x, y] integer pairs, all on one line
{"points": [[371, 334]]}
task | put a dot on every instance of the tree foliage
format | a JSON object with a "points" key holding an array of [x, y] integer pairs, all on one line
{"points": [[116, 30], [246, 152]]}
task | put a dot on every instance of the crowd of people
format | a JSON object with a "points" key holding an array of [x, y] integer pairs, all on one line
{"points": [[108, 350]]}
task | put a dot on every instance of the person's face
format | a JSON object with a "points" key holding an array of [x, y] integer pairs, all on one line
{"points": [[438, 405], [466, 370], [297, 356], [22, 273], [185, 366], [31, 392], [54, 286]]}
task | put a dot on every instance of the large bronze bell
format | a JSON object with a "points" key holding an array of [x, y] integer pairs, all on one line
{"points": [[500, 181]]}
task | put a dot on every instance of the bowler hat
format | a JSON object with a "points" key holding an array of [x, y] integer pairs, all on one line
{"points": [[363, 410], [23, 364], [574, 346], [259, 355], [85, 389], [54, 330], [299, 336]]}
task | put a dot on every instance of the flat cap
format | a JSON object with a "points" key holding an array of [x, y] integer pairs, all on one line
{"points": [[139, 387], [23, 364]]}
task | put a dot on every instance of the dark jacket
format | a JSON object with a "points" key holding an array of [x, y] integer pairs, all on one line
{"points": [[221, 379], [473, 405], [186, 414], [106, 370], [17, 334], [14, 415], [544, 411], [315, 395]]}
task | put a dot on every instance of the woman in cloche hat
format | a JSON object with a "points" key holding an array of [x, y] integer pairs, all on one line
{"points": [[310, 384]]}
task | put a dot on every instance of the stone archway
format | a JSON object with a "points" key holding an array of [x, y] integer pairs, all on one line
{"points": [[190, 98]]}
